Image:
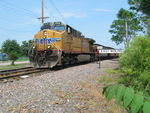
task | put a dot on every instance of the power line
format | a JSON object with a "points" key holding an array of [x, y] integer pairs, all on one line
{"points": [[27, 14], [51, 14], [13, 30], [57, 10], [10, 5]]}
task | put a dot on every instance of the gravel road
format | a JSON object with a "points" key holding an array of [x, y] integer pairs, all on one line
{"points": [[70, 90]]}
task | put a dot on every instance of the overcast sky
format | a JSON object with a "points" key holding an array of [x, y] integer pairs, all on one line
{"points": [[18, 18]]}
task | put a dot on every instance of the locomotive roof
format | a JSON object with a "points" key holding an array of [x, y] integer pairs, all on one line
{"points": [[73, 31], [54, 24], [58, 24]]}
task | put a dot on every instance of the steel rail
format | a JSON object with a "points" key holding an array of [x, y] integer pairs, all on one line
{"points": [[19, 72]]}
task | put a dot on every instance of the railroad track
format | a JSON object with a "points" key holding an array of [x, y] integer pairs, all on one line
{"points": [[6, 74], [17, 73]]}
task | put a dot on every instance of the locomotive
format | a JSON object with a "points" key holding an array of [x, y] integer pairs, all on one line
{"points": [[59, 44]]}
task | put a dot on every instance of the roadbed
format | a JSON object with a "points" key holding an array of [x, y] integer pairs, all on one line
{"points": [[70, 90]]}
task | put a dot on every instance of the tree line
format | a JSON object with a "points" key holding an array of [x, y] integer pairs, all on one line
{"points": [[14, 50]]}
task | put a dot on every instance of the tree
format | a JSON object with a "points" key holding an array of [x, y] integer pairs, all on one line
{"points": [[125, 27], [26, 45], [12, 48], [140, 5]]}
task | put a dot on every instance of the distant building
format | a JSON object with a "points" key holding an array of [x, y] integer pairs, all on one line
{"points": [[3, 56]]}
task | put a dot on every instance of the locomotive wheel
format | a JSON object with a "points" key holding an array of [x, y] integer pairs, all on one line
{"points": [[72, 60]]}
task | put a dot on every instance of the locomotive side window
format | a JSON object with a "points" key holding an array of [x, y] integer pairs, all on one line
{"points": [[69, 30]]}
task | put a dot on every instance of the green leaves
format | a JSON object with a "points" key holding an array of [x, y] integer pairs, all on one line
{"points": [[110, 92], [9, 46], [146, 107], [137, 103], [135, 64], [12, 48], [125, 14], [120, 93], [132, 101], [128, 96], [125, 19], [140, 5], [25, 46]]}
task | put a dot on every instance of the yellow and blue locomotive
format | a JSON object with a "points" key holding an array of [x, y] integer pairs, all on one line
{"points": [[59, 44]]}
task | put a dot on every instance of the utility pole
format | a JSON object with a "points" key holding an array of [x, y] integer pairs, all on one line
{"points": [[42, 18], [126, 37], [126, 24], [42, 11]]}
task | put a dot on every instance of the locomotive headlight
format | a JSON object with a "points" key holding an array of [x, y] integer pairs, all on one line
{"points": [[44, 33], [49, 47], [33, 47]]}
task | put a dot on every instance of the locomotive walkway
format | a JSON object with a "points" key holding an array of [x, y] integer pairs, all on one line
{"points": [[71, 90]]}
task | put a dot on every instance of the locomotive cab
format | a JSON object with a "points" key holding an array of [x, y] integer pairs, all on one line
{"points": [[47, 45], [49, 36]]}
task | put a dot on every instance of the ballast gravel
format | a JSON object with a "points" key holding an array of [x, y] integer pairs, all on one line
{"points": [[70, 90]]}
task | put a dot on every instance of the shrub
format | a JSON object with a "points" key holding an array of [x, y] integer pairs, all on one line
{"points": [[133, 101], [135, 64]]}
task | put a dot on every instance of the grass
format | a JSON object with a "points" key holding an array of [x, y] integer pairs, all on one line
{"points": [[16, 66], [20, 59], [23, 59], [111, 71], [106, 80], [112, 76]]}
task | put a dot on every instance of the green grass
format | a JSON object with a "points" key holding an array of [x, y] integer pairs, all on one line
{"points": [[111, 71], [112, 77], [20, 59], [23, 59], [106, 80], [16, 66]]}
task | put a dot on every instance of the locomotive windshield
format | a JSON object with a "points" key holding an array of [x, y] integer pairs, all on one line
{"points": [[54, 26]]}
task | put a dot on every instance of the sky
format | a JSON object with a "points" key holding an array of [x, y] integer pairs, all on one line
{"points": [[18, 18]]}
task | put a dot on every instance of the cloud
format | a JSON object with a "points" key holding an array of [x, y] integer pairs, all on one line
{"points": [[74, 15], [102, 10]]}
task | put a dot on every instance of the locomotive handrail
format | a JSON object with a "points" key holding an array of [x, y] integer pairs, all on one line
{"points": [[57, 47]]}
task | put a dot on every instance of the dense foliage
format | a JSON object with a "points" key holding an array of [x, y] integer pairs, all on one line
{"points": [[25, 46], [12, 48], [125, 27], [140, 5], [135, 64], [133, 101]]}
